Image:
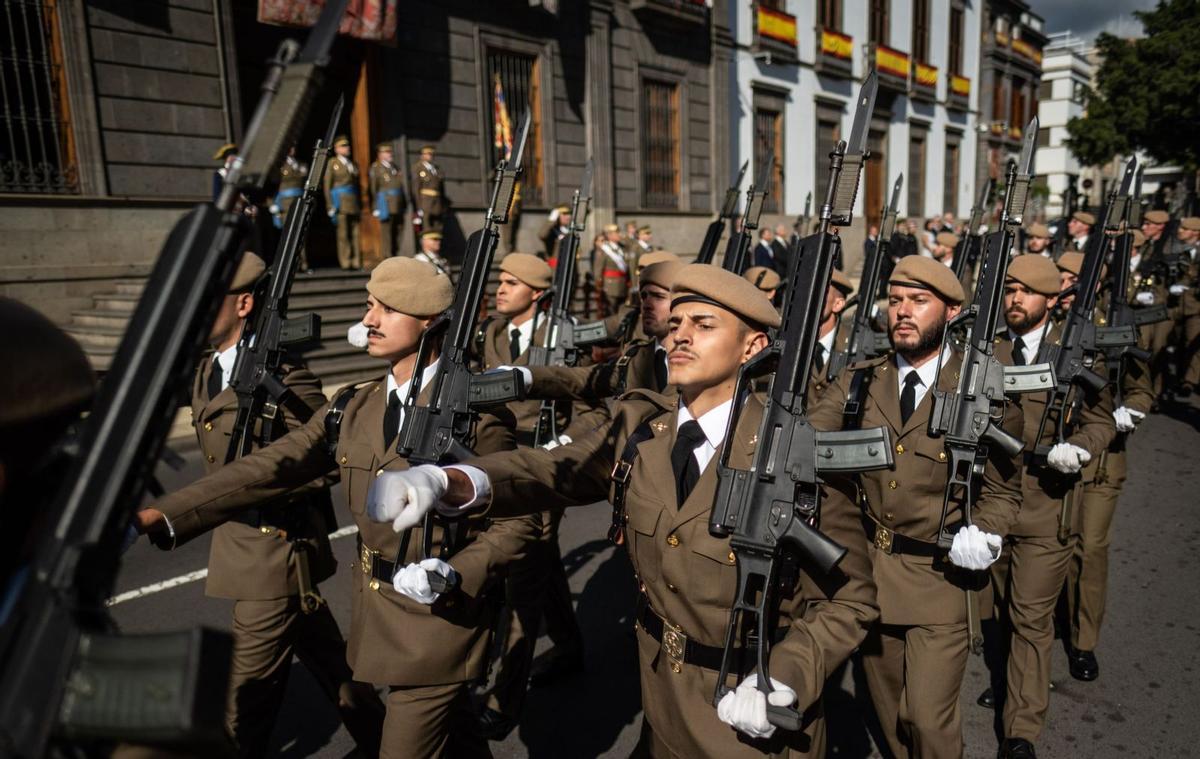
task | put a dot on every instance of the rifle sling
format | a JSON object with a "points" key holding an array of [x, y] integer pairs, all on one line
{"points": [[620, 478]]}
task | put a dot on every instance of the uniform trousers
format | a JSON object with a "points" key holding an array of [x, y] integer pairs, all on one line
{"points": [[390, 234], [1159, 335], [915, 673], [266, 634], [348, 251], [1029, 577], [1087, 573], [431, 722]]}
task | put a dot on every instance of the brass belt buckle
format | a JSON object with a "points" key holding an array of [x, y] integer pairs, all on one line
{"points": [[365, 556], [883, 538], [674, 644]]}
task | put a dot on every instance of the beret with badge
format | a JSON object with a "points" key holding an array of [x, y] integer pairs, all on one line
{"points": [[662, 274], [411, 287], [762, 277], [1038, 273], [1084, 218], [1157, 217], [927, 274], [528, 268], [705, 283]]}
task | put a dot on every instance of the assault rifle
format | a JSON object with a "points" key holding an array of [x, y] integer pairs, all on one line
{"points": [[969, 247], [740, 243], [712, 237], [69, 680], [269, 334], [770, 513], [558, 346]]}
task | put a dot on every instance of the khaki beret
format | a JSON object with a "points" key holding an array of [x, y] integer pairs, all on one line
{"points": [[411, 287], [1084, 217], [842, 282], [1038, 230], [249, 269], [1071, 262], [656, 257], [341, 140], [1038, 273], [1139, 238], [948, 239], [384, 146], [1157, 217], [1190, 223], [644, 228], [762, 277], [45, 371], [712, 284], [431, 235], [662, 274], [528, 268], [611, 228], [928, 274], [224, 151]]}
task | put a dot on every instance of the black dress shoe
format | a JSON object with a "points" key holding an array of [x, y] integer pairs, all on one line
{"points": [[556, 667], [495, 726], [1016, 748], [987, 699], [1083, 665]]}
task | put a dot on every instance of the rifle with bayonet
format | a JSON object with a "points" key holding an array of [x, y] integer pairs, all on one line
{"points": [[70, 683], [712, 237], [739, 245], [864, 342], [967, 253], [558, 346], [770, 513], [802, 221], [270, 334]]}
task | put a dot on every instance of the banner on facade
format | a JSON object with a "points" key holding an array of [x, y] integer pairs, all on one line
{"points": [[373, 20]]}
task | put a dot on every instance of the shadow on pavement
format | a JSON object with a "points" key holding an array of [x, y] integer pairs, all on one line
{"points": [[306, 721]]}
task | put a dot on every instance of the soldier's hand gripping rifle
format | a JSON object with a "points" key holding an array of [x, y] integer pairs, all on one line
{"points": [[67, 678], [770, 512], [970, 246], [712, 237], [269, 334], [864, 342], [558, 346], [739, 245]]}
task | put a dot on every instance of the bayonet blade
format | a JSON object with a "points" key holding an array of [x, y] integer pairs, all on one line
{"points": [[522, 136], [737, 183], [585, 187], [896, 192], [1025, 163], [862, 115], [334, 119], [1127, 177]]}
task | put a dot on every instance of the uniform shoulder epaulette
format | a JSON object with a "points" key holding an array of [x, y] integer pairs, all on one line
{"points": [[870, 362], [645, 394]]}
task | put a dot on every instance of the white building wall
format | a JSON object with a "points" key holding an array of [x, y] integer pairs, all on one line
{"points": [[1064, 66]]}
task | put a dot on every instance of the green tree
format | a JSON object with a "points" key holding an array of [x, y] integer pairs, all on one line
{"points": [[1147, 94]]}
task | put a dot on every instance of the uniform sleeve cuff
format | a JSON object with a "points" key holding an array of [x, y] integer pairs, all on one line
{"points": [[481, 484]]}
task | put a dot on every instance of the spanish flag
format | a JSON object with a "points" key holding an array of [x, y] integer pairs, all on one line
{"points": [[501, 123]]}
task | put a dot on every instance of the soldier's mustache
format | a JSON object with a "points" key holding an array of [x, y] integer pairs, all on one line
{"points": [[375, 332]]}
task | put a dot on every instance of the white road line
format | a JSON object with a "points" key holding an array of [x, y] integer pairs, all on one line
{"points": [[199, 574]]}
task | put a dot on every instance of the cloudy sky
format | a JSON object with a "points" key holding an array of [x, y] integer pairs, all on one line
{"points": [[1087, 18]]}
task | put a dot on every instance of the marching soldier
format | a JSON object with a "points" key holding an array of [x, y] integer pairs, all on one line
{"points": [[430, 195], [269, 559], [1150, 289], [557, 226], [765, 279], [342, 203], [430, 251], [1037, 240], [1154, 223], [1187, 291], [687, 576], [424, 646], [916, 655], [945, 244], [830, 336], [611, 273], [1079, 227], [389, 199]]}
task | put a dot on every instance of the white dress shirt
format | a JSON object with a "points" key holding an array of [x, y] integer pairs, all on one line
{"points": [[1032, 341], [225, 360], [713, 422], [526, 330], [926, 372], [402, 390]]}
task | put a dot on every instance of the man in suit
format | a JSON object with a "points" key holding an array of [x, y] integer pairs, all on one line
{"points": [[270, 558], [765, 253], [429, 194], [426, 647], [916, 655], [342, 203], [388, 199], [687, 577]]}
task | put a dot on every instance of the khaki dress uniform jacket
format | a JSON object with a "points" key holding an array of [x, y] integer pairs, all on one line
{"points": [[612, 282], [341, 179], [592, 384], [386, 184], [429, 195], [292, 177]]}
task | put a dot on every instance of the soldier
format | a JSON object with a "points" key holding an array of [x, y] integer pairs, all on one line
{"points": [[1042, 539], [765, 279], [611, 273], [1150, 289], [1079, 226], [688, 577], [1154, 223], [292, 176], [431, 252], [557, 226], [425, 646], [342, 203], [226, 154], [629, 239], [830, 336], [269, 559], [945, 244], [1037, 240], [1187, 291], [641, 245], [915, 656], [389, 199], [430, 195]]}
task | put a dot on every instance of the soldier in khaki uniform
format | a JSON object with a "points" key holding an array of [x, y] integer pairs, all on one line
{"points": [[425, 647], [343, 204], [258, 558], [388, 198], [916, 655], [1037, 240], [1188, 291], [611, 272], [945, 245], [765, 279], [1032, 571], [429, 194], [292, 177], [1079, 227], [688, 577], [832, 337], [1150, 289]]}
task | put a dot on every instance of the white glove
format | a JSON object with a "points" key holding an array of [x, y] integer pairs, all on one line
{"points": [[745, 708], [974, 549], [404, 497], [357, 335], [375, 213], [554, 215], [1178, 289], [332, 214], [562, 440], [526, 374], [1127, 418], [412, 581], [1144, 298], [1068, 458], [275, 209]]}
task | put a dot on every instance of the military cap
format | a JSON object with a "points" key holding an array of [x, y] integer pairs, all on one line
{"points": [[341, 140], [410, 286], [249, 269], [611, 228], [428, 149], [1037, 229], [948, 239], [432, 234], [1070, 262], [842, 282], [656, 257], [224, 151], [384, 146], [643, 228], [662, 274], [705, 283], [927, 274], [1084, 217], [1157, 217], [530, 269], [1139, 237], [563, 209], [762, 277], [46, 373], [1190, 223], [1036, 272]]}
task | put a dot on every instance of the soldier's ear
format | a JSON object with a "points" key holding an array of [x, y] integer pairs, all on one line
{"points": [[245, 304]]}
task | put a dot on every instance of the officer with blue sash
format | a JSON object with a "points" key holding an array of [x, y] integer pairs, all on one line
{"points": [[389, 199], [343, 204]]}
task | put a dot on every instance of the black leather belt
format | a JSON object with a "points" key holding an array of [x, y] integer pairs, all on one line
{"points": [[889, 541], [262, 517], [374, 565], [679, 648]]}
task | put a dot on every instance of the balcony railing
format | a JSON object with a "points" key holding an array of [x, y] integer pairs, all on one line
{"points": [[685, 10], [958, 92], [835, 52], [775, 33]]}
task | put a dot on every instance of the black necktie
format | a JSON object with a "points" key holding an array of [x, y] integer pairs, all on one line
{"points": [[819, 357], [660, 368], [1018, 351], [215, 379], [514, 343], [908, 396], [391, 420], [683, 463]]}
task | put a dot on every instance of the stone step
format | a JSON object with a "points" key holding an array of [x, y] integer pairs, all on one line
{"points": [[130, 287], [92, 318], [96, 337], [117, 303]]}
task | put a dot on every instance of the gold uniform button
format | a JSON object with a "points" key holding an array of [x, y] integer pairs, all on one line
{"points": [[673, 540], [672, 588], [378, 472], [888, 516], [893, 484], [373, 584], [211, 458], [208, 426], [343, 460], [899, 447], [265, 530], [941, 455], [732, 558]]}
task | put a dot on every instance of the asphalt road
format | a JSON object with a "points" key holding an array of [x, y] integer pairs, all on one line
{"points": [[1139, 707]]}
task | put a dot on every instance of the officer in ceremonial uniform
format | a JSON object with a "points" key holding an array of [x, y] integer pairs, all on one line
{"points": [[555, 228], [611, 273], [342, 203], [430, 251], [687, 577], [640, 245], [424, 646], [292, 177], [388, 199], [429, 195], [916, 655], [270, 558]]}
